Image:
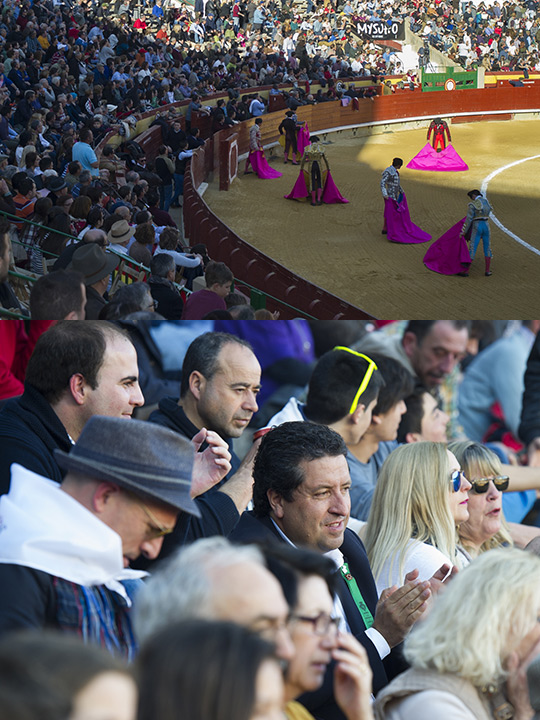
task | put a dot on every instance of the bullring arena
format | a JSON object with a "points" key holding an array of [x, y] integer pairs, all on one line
{"points": [[340, 247]]}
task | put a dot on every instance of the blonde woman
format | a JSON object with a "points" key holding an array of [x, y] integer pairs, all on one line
{"points": [[420, 497], [468, 658], [486, 527]]}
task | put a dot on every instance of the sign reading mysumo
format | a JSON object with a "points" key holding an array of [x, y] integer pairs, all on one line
{"points": [[381, 29]]}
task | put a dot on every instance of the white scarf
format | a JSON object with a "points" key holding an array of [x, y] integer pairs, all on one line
{"points": [[44, 528]]}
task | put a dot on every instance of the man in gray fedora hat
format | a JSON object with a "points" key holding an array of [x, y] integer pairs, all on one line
{"points": [[65, 549], [96, 267]]}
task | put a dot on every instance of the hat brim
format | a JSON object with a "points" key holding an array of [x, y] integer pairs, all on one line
{"points": [[122, 238], [154, 487], [111, 263]]}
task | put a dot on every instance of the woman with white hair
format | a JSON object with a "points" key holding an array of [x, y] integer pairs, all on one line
{"points": [[420, 498], [468, 658], [486, 527]]}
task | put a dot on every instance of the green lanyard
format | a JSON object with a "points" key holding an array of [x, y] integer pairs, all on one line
{"points": [[365, 612]]}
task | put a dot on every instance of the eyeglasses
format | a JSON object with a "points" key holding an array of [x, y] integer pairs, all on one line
{"points": [[480, 485], [157, 530], [367, 377], [322, 623], [456, 478]]}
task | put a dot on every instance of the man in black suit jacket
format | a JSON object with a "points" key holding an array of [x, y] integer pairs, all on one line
{"points": [[301, 496]]}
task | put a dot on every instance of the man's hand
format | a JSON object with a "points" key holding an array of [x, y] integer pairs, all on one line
{"points": [[352, 678], [443, 575], [240, 486], [210, 466], [399, 608]]}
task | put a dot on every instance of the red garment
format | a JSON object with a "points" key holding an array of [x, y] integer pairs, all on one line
{"points": [[202, 302], [16, 346]]}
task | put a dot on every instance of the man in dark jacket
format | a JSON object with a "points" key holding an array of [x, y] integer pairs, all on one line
{"points": [[161, 282], [97, 376], [301, 496], [220, 382]]}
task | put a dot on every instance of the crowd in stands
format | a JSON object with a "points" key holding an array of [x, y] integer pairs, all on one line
{"points": [[286, 523], [72, 73]]}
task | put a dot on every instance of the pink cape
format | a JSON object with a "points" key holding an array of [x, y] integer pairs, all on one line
{"points": [[330, 193], [260, 164], [449, 255], [303, 139], [445, 161], [399, 225]]}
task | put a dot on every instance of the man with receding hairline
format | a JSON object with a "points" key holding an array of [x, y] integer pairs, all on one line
{"points": [[98, 375], [221, 378]]}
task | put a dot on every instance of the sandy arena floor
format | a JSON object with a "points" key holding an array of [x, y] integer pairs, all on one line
{"points": [[340, 247]]}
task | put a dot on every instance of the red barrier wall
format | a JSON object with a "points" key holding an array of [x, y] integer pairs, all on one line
{"points": [[252, 266]]}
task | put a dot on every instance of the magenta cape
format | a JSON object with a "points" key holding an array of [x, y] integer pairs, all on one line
{"points": [[449, 255], [330, 193], [303, 139], [261, 166], [445, 161], [399, 225]]}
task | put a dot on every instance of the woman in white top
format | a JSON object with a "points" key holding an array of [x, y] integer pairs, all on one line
{"points": [[420, 498]]}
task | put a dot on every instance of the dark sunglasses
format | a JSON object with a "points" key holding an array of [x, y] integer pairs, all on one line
{"points": [[456, 479], [480, 485]]}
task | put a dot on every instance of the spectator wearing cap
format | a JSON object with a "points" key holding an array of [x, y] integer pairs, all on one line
{"points": [[125, 486], [57, 188], [84, 153], [96, 268], [119, 236]]}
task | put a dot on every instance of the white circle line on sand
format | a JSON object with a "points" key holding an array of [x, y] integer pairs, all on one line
{"points": [[493, 217]]}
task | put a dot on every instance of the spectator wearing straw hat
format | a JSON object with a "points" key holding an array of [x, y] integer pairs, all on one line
{"points": [[96, 268], [119, 236]]}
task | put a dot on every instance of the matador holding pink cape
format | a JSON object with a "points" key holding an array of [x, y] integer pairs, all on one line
{"points": [[313, 181], [397, 220]]}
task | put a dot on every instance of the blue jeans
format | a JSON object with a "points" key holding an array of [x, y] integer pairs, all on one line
{"points": [[165, 195], [178, 187], [480, 231]]}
